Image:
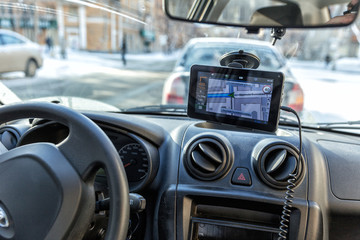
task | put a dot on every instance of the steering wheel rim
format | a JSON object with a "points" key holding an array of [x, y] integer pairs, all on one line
{"points": [[86, 149]]}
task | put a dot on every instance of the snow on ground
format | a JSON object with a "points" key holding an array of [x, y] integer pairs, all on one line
{"points": [[153, 56], [80, 63], [329, 95], [102, 76]]}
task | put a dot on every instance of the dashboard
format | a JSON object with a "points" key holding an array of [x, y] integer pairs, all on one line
{"points": [[205, 180]]}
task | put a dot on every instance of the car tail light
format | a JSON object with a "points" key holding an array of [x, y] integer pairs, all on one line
{"points": [[296, 98], [174, 91]]}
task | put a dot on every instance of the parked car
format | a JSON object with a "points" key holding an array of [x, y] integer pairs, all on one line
{"points": [[17, 53], [346, 64], [207, 51]]}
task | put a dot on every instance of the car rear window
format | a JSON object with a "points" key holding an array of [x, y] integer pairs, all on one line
{"points": [[210, 55]]}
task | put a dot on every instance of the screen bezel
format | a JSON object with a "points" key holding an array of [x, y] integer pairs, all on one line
{"points": [[278, 83]]}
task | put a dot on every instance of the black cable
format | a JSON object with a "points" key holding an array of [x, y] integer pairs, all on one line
{"points": [[132, 231], [285, 217], [288, 109]]}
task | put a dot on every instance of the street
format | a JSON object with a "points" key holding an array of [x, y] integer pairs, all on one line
{"points": [[328, 95], [97, 76]]}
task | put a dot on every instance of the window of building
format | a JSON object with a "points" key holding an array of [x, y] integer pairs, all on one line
{"points": [[72, 14]]}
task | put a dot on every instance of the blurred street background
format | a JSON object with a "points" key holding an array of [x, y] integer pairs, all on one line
{"points": [[93, 40]]}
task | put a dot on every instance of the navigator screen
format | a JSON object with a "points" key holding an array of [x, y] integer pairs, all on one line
{"points": [[236, 96]]}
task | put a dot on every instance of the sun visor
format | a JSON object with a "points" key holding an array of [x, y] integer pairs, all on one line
{"points": [[289, 14]]}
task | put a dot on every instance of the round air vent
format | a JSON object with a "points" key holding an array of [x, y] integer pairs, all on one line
{"points": [[208, 157], [276, 161]]}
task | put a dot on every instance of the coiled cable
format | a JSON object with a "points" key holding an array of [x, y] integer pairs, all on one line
{"points": [[286, 212], [285, 216]]}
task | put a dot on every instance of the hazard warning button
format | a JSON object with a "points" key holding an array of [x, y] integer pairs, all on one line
{"points": [[241, 176]]}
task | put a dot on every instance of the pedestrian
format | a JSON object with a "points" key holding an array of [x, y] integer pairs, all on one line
{"points": [[327, 60], [123, 50], [49, 44]]}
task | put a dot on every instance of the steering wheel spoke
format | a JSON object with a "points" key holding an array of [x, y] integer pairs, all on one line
{"points": [[84, 156]]}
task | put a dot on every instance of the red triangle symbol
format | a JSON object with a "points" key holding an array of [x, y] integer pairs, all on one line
{"points": [[241, 177]]}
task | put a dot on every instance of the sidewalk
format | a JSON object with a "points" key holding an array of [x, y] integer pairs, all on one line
{"points": [[158, 56]]}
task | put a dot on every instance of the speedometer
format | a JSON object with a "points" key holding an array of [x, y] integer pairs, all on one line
{"points": [[135, 161]]}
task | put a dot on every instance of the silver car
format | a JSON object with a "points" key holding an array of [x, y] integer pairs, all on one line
{"points": [[207, 51], [17, 53]]}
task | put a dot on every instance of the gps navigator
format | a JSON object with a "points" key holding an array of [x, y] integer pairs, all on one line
{"points": [[242, 97]]}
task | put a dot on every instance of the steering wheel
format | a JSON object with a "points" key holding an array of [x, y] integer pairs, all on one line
{"points": [[46, 190]]}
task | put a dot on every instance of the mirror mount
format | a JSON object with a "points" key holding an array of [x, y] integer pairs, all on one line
{"points": [[277, 34], [252, 30]]}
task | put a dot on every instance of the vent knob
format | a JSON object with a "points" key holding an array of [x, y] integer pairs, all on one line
{"points": [[280, 165], [208, 157], [275, 161]]}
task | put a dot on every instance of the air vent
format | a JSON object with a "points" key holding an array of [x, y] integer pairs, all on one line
{"points": [[275, 162], [9, 138], [208, 157]]}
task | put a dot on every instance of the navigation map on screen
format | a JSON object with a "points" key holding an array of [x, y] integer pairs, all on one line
{"points": [[247, 99]]}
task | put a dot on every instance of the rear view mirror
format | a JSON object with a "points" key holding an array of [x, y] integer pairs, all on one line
{"points": [[265, 13]]}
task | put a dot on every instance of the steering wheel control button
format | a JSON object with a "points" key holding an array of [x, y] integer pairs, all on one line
{"points": [[4, 220], [241, 176]]}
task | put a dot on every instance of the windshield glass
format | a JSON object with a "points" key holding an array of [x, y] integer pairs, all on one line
{"points": [[114, 55]]}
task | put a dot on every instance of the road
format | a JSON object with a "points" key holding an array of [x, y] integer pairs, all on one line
{"points": [[97, 76]]}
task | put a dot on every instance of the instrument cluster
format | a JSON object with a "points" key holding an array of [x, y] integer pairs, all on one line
{"points": [[140, 158]]}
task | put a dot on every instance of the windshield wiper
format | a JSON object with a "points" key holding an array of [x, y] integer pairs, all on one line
{"points": [[340, 125], [179, 109], [288, 120]]}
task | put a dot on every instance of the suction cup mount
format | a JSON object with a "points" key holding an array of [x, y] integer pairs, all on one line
{"points": [[240, 59]]}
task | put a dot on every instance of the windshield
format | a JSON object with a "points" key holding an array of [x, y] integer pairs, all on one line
{"points": [[117, 55]]}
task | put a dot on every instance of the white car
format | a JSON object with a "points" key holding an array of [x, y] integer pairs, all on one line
{"points": [[207, 51], [351, 64], [17, 53]]}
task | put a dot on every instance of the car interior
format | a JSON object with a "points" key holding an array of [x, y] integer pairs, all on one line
{"points": [[238, 172]]}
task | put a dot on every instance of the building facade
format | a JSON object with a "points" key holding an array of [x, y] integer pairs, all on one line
{"points": [[82, 25]]}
